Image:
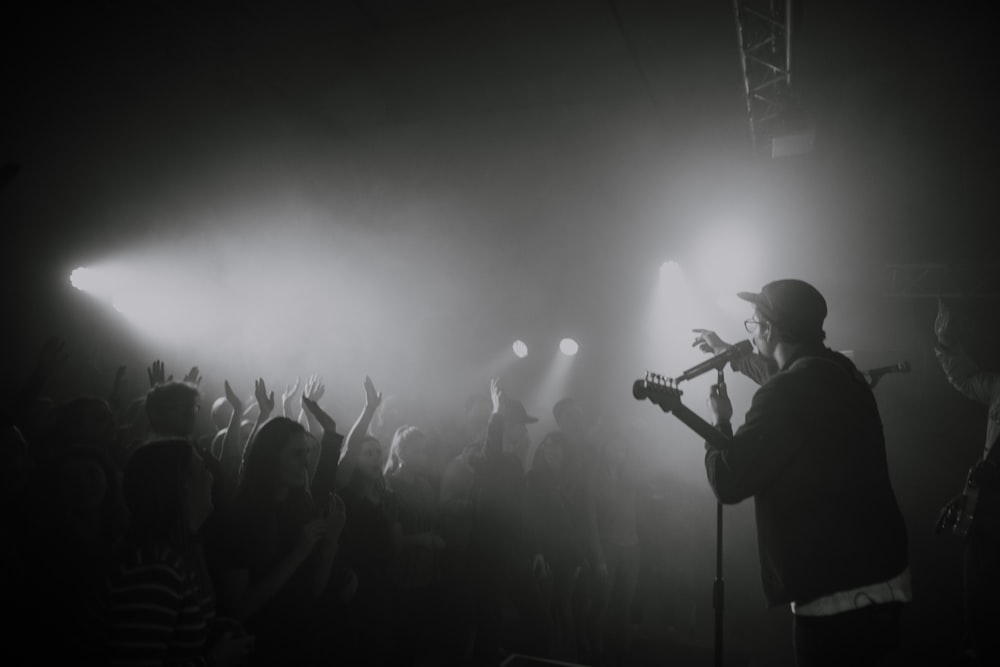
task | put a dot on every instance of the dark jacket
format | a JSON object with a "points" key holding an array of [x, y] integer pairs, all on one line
{"points": [[812, 454]]}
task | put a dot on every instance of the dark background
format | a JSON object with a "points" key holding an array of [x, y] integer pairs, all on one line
{"points": [[402, 188]]}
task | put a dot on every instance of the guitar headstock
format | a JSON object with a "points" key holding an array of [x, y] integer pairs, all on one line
{"points": [[659, 390]]}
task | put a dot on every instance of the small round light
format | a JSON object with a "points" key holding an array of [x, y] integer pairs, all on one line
{"points": [[569, 347], [520, 349]]}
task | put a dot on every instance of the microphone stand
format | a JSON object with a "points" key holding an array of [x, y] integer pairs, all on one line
{"points": [[719, 586]]}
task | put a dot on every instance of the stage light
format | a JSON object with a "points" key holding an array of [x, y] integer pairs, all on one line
{"points": [[670, 270], [520, 349], [569, 347], [93, 281]]}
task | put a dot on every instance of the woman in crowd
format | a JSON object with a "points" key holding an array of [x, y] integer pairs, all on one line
{"points": [[273, 548], [414, 570]]}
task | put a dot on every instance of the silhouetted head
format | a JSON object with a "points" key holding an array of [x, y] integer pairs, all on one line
{"points": [[172, 408], [785, 311], [570, 417], [278, 458], [222, 411]]}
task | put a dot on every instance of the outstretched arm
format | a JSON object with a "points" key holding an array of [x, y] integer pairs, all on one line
{"points": [[754, 366], [349, 457], [232, 448]]}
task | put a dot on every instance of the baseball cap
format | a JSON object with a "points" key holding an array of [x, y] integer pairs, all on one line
{"points": [[793, 306]]}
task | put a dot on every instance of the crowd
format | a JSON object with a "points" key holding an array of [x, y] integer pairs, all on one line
{"points": [[132, 535]]}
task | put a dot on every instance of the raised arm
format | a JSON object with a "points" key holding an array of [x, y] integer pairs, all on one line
{"points": [[265, 403], [494, 429], [352, 450], [325, 479], [288, 396], [313, 390], [754, 366], [232, 448]]}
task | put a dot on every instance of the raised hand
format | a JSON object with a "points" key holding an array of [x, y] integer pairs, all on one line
{"points": [[265, 401], [288, 395], [192, 377], [496, 394], [709, 341], [157, 374], [372, 398], [325, 421], [232, 398], [314, 388]]}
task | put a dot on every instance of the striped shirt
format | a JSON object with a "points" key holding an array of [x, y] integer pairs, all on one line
{"points": [[156, 610]]}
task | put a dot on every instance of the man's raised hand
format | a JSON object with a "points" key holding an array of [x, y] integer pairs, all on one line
{"points": [[709, 341]]}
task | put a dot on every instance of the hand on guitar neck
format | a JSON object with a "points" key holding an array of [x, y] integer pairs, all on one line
{"points": [[658, 390]]}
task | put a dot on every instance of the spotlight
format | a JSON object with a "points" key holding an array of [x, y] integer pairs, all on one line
{"points": [[101, 281], [670, 270], [569, 347], [520, 349]]}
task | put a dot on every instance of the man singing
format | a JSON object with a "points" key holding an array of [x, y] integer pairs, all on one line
{"points": [[811, 452]]}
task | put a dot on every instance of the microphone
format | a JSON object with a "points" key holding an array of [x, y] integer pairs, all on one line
{"points": [[738, 350], [875, 374]]}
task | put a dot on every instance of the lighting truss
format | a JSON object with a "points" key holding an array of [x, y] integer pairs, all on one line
{"points": [[764, 28], [951, 281]]}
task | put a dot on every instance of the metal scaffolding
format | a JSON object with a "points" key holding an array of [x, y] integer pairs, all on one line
{"points": [[777, 125], [949, 281]]}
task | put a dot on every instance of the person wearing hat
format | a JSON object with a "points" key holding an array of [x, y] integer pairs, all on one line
{"points": [[811, 452], [499, 552]]}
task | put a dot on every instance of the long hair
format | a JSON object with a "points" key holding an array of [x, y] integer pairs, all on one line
{"points": [[153, 484], [261, 467], [399, 449]]}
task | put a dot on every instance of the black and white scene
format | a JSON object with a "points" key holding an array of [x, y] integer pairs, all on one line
{"points": [[500, 333]]}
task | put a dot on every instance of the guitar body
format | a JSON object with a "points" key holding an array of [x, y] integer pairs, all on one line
{"points": [[979, 507]]}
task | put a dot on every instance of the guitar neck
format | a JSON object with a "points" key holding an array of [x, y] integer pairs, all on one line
{"points": [[700, 426]]}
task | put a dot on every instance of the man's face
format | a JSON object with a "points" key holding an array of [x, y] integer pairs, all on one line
{"points": [[762, 335]]}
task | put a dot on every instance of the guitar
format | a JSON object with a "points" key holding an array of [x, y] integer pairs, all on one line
{"points": [[965, 511], [660, 391]]}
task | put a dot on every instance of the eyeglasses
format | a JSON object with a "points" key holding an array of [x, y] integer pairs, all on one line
{"points": [[751, 325]]}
